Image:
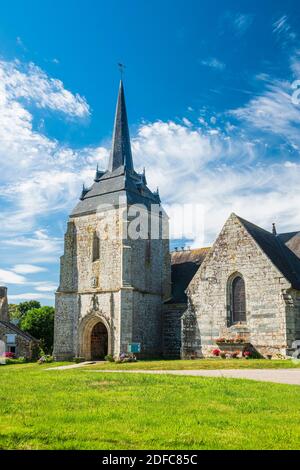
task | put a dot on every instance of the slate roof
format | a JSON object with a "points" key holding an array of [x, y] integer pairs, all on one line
{"points": [[292, 241], [120, 184], [277, 251], [184, 265], [17, 330]]}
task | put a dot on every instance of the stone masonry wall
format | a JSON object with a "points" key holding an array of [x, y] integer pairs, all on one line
{"points": [[23, 345], [236, 252], [292, 301], [124, 288], [172, 314], [3, 304]]}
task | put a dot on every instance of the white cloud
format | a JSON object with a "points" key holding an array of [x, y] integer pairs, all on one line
{"points": [[29, 296], [38, 174], [9, 277], [295, 64], [214, 63], [283, 30], [222, 173], [242, 22], [46, 287], [273, 111], [40, 243], [239, 23], [191, 163], [28, 269], [32, 83], [187, 122]]}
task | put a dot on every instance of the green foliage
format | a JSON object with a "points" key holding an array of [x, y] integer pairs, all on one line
{"points": [[109, 358], [39, 322], [20, 360], [78, 360], [24, 307], [14, 312], [45, 359]]}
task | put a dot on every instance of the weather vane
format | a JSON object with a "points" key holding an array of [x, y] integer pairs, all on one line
{"points": [[122, 68]]}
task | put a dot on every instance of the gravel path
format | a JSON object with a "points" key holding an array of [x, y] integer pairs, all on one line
{"points": [[282, 376]]}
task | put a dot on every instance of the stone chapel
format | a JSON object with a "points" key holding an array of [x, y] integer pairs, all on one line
{"points": [[117, 290]]}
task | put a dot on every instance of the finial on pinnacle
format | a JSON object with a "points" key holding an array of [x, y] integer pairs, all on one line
{"points": [[274, 230]]}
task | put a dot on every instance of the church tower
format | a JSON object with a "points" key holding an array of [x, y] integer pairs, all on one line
{"points": [[115, 271]]}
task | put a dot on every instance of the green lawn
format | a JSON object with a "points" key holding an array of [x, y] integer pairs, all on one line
{"points": [[199, 364], [79, 409]]}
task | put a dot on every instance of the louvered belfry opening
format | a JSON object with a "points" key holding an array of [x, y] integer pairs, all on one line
{"points": [[238, 297]]}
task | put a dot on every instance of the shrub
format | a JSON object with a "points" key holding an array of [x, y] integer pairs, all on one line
{"points": [[45, 360], [20, 360], [223, 355], [126, 358], [109, 358], [79, 360]]}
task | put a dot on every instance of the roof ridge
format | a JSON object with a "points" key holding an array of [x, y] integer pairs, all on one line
{"points": [[18, 330], [254, 225], [285, 261]]}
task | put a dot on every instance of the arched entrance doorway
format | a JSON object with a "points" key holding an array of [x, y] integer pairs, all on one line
{"points": [[99, 342]]}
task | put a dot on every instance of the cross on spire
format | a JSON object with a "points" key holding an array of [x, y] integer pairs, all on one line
{"points": [[122, 68]]}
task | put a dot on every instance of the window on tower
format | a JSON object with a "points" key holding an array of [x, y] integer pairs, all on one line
{"points": [[96, 247]]}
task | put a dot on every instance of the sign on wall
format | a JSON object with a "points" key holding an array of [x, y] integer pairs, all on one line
{"points": [[134, 348]]}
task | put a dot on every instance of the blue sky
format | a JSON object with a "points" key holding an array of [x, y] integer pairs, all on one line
{"points": [[209, 93]]}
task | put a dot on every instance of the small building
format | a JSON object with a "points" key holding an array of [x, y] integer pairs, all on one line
{"points": [[247, 287], [15, 341]]}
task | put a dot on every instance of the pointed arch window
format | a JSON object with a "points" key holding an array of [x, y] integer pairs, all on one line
{"points": [[96, 247], [237, 293]]}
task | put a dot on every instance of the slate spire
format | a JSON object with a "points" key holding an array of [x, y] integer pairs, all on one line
{"points": [[121, 149]]}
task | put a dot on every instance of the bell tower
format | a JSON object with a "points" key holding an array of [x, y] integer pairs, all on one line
{"points": [[115, 271]]}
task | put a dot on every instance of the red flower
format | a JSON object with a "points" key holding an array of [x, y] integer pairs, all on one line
{"points": [[216, 352], [9, 355], [247, 354]]}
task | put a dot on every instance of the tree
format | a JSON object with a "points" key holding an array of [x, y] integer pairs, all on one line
{"points": [[39, 322], [13, 311], [24, 307]]}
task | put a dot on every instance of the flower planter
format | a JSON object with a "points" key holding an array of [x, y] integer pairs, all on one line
{"points": [[232, 347]]}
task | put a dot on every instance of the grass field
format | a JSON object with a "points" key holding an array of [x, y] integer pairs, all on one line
{"points": [[79, 409], [199, 364]]}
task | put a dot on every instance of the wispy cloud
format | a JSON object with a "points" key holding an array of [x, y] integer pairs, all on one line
{"points": [[28, 269], [242, 22], [29, 296], [213, 63], [30, 82], [283, 30], [273, 110], [9, 277], [238, 22]]}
